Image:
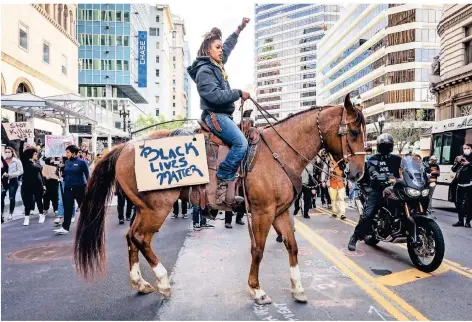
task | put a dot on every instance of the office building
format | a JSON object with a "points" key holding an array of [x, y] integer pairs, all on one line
{"points": [[381, 54], [178, 106], [109, 57], [187, 79], [286, 39], [453, 71], [39, 55]]}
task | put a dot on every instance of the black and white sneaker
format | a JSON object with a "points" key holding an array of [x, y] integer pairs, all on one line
{"points": [[185, 216], [207, 225], [174, 216], [197, 227]]}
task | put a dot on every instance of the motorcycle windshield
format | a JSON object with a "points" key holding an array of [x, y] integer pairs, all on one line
{"points": [[413, 172]]}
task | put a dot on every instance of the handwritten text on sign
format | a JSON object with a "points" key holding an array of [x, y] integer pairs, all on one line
{"points": [[19, 130], [171, 162]]}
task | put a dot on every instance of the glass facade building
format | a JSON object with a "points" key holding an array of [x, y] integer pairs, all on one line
{"points": [[381, 54], [108, 55], [286, 38]]}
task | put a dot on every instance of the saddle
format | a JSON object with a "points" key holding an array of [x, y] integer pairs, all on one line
{"points": [[216, 151]]}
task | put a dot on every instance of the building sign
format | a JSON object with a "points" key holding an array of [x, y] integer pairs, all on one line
{"points": [[171, 162], [142, 58], [458, 123], [82, 129]]}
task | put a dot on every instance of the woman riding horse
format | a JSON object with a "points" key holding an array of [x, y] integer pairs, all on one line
{"points": [[217, 102]]}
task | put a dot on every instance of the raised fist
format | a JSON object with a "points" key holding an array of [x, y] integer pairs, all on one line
{"points": [[244, 22]]}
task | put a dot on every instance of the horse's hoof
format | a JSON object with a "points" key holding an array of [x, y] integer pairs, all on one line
{"points": [[164, 292], [145, 288], [264, 300], [300, 297]]}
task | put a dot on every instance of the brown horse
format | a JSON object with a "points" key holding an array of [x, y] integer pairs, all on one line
{"points": [[269, 193]]}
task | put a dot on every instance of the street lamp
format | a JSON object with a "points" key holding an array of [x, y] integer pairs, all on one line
{"points": [[124, 113], [381, 120]]}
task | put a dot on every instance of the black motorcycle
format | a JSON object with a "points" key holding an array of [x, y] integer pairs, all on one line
{"points": [[403, 217]]}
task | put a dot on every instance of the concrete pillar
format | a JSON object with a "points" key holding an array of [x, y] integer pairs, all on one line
{"points": [[31, 120], [109, 142], [94, 141], [65, 130]]}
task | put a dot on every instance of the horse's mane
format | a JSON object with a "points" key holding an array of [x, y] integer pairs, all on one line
{"points": [[359, 115]]}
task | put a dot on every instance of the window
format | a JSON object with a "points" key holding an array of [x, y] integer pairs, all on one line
{"points": [[446, 148], [174, 66], [46, 52], [157, 45], [173, 58], [174, 34], [126, 41], [468, 52], [157, 111], [23, 34], [64, 64], [119, 41], [157, 99], [117, 125], [126, 16], [173, 97], [173, 82], [153, 32], [119, 64], [157, 72], [173, 89], [125, 65], [157, 59], [173, 113], [119, 16], [157, 18], [173, 104]]}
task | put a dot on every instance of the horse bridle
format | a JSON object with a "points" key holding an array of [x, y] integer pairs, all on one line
{"points": [[346, 148]]}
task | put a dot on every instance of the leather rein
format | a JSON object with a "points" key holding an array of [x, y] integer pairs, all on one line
{"points": [[346, 148]]}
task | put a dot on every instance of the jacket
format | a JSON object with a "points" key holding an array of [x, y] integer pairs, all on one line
{"points": [[15, 168], [307, 176], [32, 176], [464, 172], [76, 172], [215, 93], [380, 164], [336, 180]]}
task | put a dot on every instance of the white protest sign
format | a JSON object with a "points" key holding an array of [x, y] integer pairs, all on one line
{"points": [[171, 162], [19, 130], [55, 145]]}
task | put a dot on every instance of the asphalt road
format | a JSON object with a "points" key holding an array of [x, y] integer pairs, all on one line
{"points": [[209, 271]]}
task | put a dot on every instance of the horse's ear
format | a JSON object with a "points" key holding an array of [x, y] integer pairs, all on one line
{"points": [[351, 110], [347, 102]]}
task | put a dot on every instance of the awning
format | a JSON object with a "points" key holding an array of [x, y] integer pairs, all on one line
{"points": [[41, 107]]}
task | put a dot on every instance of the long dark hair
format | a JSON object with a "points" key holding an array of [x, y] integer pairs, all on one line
{"points": [[29, 152], [210, 37]]}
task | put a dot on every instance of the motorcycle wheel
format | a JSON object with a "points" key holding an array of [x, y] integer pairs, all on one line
{"points": [[430, 246], [371, 240]]}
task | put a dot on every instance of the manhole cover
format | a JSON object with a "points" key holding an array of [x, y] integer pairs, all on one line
{"points": [[42, 253]]}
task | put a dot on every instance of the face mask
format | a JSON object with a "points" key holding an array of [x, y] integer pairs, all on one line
{"points": [[7, 155], [466, 151]]}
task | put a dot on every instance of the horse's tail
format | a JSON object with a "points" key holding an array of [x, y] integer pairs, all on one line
{"points": [[89, 244]]}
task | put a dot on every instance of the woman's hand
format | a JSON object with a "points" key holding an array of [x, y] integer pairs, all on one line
{"points": [[44, 188], [245, 95]]}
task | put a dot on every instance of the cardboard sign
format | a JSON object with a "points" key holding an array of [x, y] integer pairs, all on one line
{"points": [[171, 162], [49, 172], [55, 145], [19, 130]]}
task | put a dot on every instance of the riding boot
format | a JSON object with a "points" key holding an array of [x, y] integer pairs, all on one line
{"points": [[221, 190], [352, 243]]}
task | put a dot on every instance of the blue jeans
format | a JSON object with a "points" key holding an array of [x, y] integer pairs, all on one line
{"points": [[353, 192], [60, 209], [231, 135]]}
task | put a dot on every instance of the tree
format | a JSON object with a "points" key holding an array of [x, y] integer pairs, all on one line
{"points": [[144, 121], [406, 131]]}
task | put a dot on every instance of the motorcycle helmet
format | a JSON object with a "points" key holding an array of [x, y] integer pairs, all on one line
{"points": [[384, 143]]}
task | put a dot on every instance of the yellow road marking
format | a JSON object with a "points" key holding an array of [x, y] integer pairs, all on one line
{"points": [[408, 276], [446, 265], [392, 303]]}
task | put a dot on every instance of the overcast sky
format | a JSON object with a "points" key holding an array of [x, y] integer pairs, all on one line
{"points": [[199, 18]]}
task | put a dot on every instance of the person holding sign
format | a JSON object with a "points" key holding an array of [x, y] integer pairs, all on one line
{"points": [[33, 185], [217, 102]]}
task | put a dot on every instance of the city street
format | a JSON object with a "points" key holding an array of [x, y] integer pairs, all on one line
{"points": [[209, 270]]}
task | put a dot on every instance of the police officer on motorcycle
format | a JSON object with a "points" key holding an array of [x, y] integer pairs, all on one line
{"points": [[380, 166]]}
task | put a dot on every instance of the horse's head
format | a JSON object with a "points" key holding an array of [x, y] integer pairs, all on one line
{"points": [[345, 138]]}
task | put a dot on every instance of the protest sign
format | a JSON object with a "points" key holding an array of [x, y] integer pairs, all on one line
{"points": [[49, 172], [55, 145], [19, 130], [171, 162]]}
